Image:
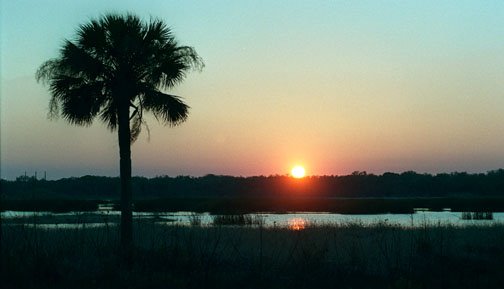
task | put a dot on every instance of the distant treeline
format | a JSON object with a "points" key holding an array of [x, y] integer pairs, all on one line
{"points": [[358, 185]]}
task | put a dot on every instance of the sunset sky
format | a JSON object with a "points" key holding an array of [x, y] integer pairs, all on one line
{"points": [[336, 86]]}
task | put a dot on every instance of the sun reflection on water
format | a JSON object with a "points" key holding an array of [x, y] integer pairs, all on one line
{"points": [[297, 224]]}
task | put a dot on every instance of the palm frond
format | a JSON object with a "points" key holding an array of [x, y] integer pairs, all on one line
{"points": [[108, 115], [156, 32], [135, 128], [167, 108], [79, 62], [79, 101], [124, 34], [171, 65], [79, 109], [188, 55], [92, 37], [47, 70]]}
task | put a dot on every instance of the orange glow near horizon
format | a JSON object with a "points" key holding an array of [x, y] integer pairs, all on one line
{"points": [[297, 224], [298, 172]]}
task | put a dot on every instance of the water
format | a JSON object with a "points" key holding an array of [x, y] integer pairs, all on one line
{"points": [[293, 220]]}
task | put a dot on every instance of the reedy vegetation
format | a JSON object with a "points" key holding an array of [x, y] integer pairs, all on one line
{"points": [[347, 255]]}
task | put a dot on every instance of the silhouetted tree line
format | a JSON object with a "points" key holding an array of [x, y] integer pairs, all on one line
{"points": [[357, 184]]}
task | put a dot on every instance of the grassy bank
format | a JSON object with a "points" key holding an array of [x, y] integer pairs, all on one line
{"points": [[338, 256], [227, 205]]}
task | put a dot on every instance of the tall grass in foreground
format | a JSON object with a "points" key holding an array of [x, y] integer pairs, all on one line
{"points": [[346, 255]]}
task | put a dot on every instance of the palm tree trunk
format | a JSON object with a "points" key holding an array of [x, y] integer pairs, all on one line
{"points": [[125, 173], [1, 207]]}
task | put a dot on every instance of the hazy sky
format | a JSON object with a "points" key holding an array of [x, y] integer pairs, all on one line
{"points": [[337, 86]]}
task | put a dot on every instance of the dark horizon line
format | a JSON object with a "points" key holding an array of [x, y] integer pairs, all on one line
{"points": [[354, 173]]}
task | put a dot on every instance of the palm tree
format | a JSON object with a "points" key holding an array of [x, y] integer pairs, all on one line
{"points": [[116, 69]]}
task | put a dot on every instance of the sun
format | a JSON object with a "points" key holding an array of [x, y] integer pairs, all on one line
{"points": [[298, 172]]}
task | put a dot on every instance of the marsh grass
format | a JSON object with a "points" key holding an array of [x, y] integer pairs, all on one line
{"points": [[238, 220], [195, 219], [477, 216], [345, 255]]}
